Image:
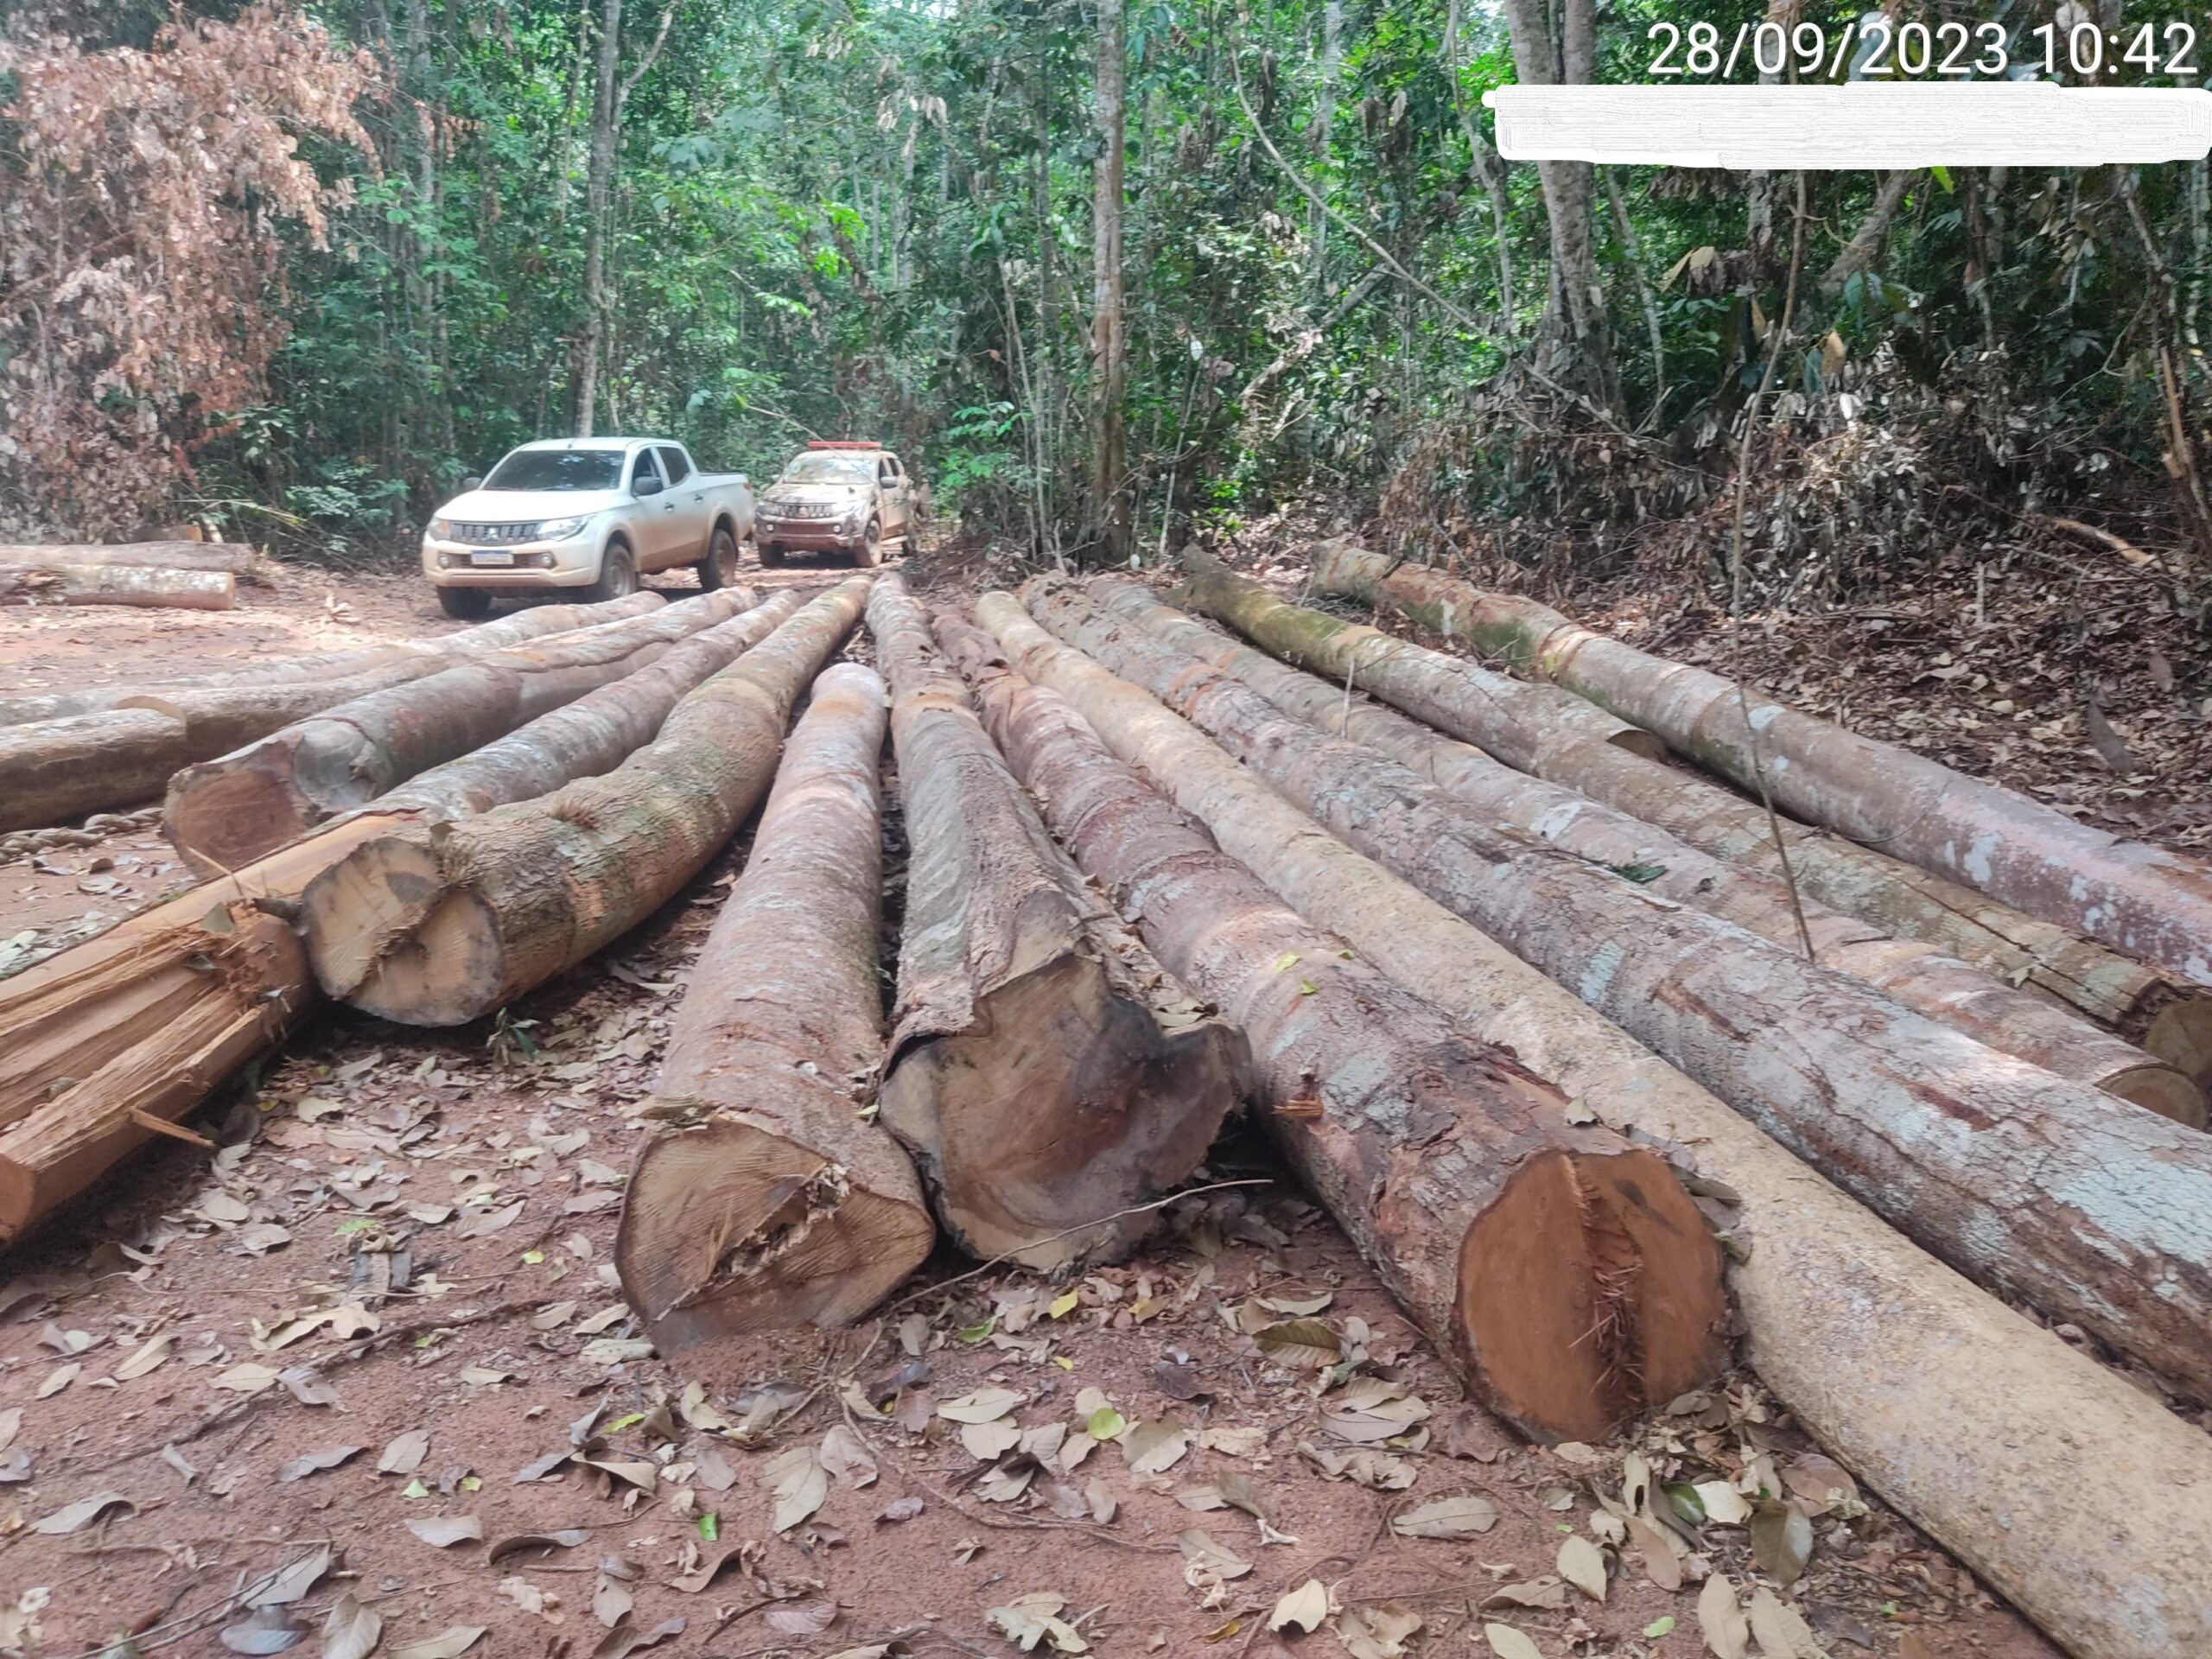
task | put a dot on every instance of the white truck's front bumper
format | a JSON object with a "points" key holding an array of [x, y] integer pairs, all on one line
{"points": [[572, 563]]}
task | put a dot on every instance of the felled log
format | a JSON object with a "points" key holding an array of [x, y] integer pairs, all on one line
{"points": [[1049, 1077], [230, 558], [2134, 897], [1918, 976], [2024, 1180], [93, 584], [768, 1201], [533, 623], [437, 924], [41, 781], [1882, 1352], [110, 1039], [1566, 1272], [106, 1044], [594, 735], [240, 806], [2170, 1020]]}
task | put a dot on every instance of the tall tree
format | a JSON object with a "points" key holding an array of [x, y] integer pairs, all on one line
{"points": [[609, 95], [1109, 341]]}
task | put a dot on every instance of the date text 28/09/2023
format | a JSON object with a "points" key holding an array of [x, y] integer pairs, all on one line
{"points": [[1875, 48]]}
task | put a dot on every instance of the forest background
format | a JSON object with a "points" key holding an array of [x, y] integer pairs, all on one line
{"points": [[1111, 273]]}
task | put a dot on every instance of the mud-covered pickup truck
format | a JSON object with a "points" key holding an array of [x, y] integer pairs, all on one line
{"points": [[837, 497], [585, 514]]}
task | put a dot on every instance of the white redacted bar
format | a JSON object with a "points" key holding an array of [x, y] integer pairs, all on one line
{"points": [[1860, 124]]}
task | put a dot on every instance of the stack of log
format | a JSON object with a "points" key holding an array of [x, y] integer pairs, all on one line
{"points": [[1530, 1009], [185, 576]]}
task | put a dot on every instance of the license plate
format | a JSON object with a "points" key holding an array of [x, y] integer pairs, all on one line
{"points": [[491, 558]]}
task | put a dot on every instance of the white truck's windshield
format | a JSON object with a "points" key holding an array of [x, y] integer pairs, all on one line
{"points": [[829, 469], [558, 469]]}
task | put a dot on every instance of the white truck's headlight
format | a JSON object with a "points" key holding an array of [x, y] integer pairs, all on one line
{"points": [[559, 529], [442, 529]]}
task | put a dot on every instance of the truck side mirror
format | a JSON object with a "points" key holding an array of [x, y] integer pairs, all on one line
{"points": [[472, 482], [646, 486]]}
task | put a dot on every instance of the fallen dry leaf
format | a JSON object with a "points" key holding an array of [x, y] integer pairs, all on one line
{"points": [[314, 1463], [403, 1454], [1376, 1632], [448, 1644], [71, 1518], [1583, 1565], [567, 1538], [1028, 1620], [351, 1630], [443, 1532], [800, 1484], [1508, 1643], [152, 1354], [1306, 1607], [1721, 1619], [1447, 1517]]}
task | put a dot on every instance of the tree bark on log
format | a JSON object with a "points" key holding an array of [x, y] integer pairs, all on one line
{"points": [[133, 585], [241, 806], [2021, 1178], [1916, 975], [2136, 897], [233, 558], [1566, 1272], [534, 623], [2169, 1020], [149, 1017], [41, 782], [438, 924], [1048, 1076], [769, 1201], [1885, 1354], [594, 735]]}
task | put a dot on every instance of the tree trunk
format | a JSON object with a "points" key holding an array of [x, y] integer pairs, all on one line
{"points": [[1865, 246], [2135, 898], [2170, 1020], [599, 192], [1109, 502], [532, 624], [592, 735], [1047, 1075], [770, 1202], [244, 805], [1578, 329], [1513, 1237], [114, 584], [104, 1045], [2021, 1178], [53, 769], [435, 925], [237, 558], [1912, 1413], [1918, 976]]}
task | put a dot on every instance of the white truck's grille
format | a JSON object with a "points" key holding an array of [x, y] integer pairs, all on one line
{"points": [[495, 535]]}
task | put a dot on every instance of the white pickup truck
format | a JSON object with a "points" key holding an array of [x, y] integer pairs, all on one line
{"points": [[588, 513]]}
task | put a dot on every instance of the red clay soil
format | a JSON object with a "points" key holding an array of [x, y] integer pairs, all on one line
{"points": [[409, 1233]]}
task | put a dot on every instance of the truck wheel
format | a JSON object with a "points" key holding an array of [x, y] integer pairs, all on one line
{"points": [[719, 567], [467, 604], [870, 549], [618, 576]]}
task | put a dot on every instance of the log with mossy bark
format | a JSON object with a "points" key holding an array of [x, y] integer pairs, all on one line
{"points": [[2169, 1020], [1051, 1080], [109, 1039], [2142, 900], [2044, 1487], [768, 1199], [226, 813], [438, 924], [136, 586], [1918, 976], [1565, 1273], [60, 768], [532, 623], [2026, 1181]]}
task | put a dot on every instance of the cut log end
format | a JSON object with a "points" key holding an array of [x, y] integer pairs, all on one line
{"points": [[1063, 1107], [1639, 743], [2160, 1088], [728, 1228], [389, 933], [1587, 1294], [2180, 1034], [222, 818]]}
